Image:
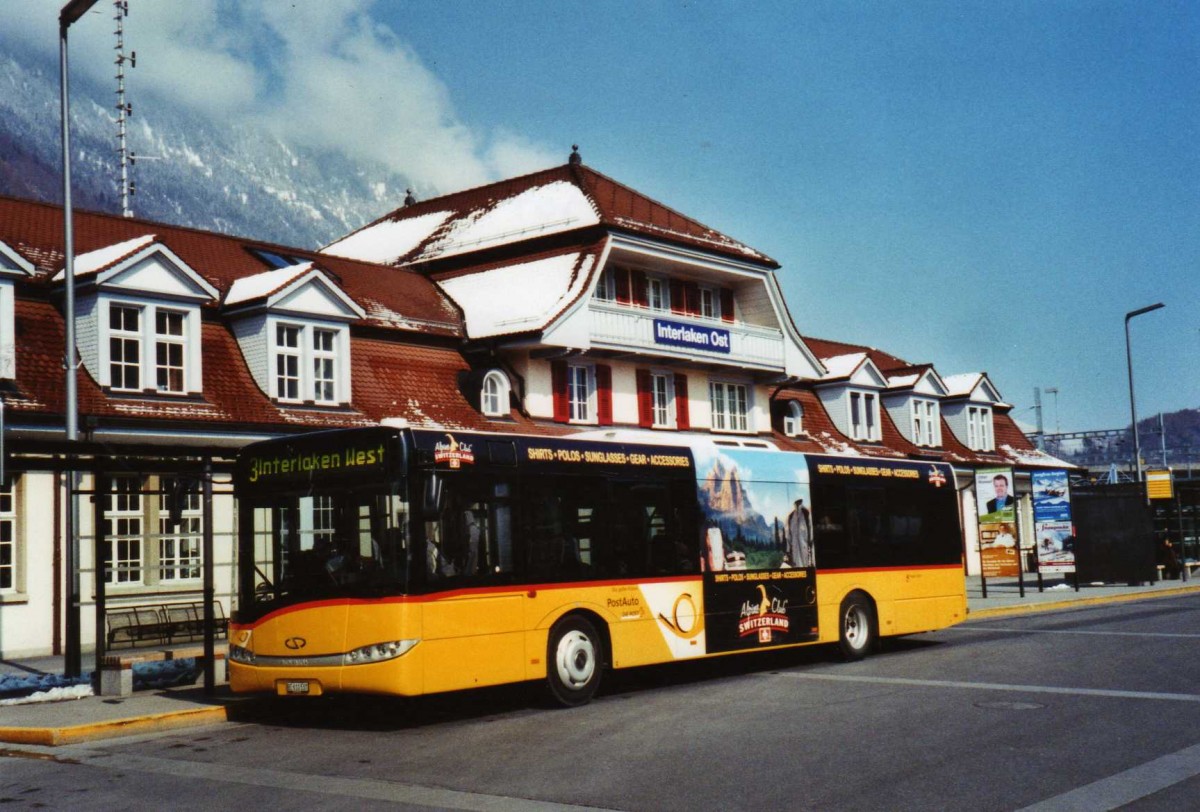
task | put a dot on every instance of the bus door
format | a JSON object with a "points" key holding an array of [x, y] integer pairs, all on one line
{"points": [[472, 619]]}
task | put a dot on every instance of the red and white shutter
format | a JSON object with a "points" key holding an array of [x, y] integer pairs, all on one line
{"points": [[558, 383], [683, 419], [604, 415]]}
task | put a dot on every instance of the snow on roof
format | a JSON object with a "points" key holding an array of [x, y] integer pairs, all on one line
{"points": [[96, 261], [387, 241], [1033, 456], [902, 381], [546, 209], [842, 366], [249, 288], [962, 384], [545, 287]]}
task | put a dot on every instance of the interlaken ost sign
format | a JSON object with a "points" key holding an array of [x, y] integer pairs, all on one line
{"points": [[691, 336]]}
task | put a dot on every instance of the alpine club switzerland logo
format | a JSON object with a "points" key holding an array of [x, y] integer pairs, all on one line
{"points": [[936, 477], [453, 452], [763, 617]]}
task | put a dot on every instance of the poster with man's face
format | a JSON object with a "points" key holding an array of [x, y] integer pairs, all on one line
{"points": [[994, 495]]}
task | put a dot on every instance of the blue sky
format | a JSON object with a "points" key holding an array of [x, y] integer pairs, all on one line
{"points": [[981, 185]]}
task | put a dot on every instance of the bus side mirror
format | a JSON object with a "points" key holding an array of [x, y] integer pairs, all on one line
{"points": [[432, 497]]}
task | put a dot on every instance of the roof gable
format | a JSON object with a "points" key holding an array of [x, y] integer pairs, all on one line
{"points": [[553, 201], [973, 386], [12, 263], [919, 380], [141, 265], [300, 288], [855, 369]]}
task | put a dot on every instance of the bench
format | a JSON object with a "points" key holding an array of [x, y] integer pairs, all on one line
{"points": [[116, 670], [163, 624]]}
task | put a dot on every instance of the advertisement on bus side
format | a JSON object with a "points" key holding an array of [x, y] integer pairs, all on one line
{"points": [[757, 553]]}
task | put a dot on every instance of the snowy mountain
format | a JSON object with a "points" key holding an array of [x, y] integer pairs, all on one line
{"points": [[215, 175]]}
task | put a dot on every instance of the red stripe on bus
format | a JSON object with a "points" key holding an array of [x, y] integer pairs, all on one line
{"points": [[901, 568], [457, 593]]}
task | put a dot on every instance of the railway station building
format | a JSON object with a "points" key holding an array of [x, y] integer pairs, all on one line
{"points": [[560, 302]]}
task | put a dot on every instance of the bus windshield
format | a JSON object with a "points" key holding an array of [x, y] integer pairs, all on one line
{"points": [[324, 543]]}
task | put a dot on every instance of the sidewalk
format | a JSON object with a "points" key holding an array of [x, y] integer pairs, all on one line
{"points": [[94, 717]]}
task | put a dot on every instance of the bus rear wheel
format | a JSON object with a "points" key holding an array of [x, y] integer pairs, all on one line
{"points": [[857, 626], [574, 661]]}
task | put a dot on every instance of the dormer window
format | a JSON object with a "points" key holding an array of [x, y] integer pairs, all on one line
{"points": [[979, 428], [140, 305], [293, 327], [494, 395], [793, 419], [925, 422], [864, 416], [308, 361], [148, 342]]}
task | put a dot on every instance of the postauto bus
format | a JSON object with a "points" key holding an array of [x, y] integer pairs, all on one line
{"points": [[399, 561]]}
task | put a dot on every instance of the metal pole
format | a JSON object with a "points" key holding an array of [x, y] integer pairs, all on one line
{"points": [[210, 665], [1137, 446], [72, 664]]}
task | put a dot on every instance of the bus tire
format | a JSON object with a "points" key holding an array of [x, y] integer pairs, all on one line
{"points": [[856, 626], [574, 661]]}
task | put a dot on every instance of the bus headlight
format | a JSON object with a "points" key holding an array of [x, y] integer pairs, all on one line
{"points": [[238, 654], [378, 652]]}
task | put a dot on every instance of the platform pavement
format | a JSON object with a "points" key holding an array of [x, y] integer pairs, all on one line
{"points": [[93, 718]]}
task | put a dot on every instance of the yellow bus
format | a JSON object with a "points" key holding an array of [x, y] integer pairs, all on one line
{"points": [[400, 561]]}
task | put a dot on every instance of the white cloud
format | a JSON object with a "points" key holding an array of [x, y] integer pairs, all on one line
{"points": [[324, 74]]}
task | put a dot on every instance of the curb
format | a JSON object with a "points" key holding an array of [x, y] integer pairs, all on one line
{"points": [[56, 736], [1035, 608]]}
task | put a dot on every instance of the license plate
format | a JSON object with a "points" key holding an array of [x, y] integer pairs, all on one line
{"points": [[297, 687]]}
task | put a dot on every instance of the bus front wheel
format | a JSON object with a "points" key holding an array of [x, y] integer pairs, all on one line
{"points": [[857, 622], [574, 661]]}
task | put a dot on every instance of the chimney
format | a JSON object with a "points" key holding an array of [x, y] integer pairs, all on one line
{"points": [[409, 198], [575, 160]]}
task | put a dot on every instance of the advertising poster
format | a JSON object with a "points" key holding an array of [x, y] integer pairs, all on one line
{"points": [[760, 585], [1055, 539], [997, 511], [1055, 547]]}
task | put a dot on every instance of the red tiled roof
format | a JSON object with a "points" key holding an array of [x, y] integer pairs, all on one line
{"points": [[825, 348], [617, 206], [391, 297]]}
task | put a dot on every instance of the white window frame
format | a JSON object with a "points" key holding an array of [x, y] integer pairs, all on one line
{"points": [[307, 358], [581, 393], [130, 355], [863, 416], [926, 423], [606, 286], [494, 397], [722, 397], [657, 287], [146, 340], [662, 400], [125, 522], [166, 341], [710, 303], [180, 547], [793, 419], [324, 364], [979, 428], [10, 573]]}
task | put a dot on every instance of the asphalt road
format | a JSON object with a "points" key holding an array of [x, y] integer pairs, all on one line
{"points": [[1084, 710]]}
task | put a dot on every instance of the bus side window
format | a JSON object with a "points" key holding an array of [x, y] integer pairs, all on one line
{"points": [[561, 526], [471, 536]]}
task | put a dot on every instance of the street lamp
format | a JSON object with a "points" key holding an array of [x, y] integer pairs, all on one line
{"points": [[1137, 446], [72, 664], [1053, 390]]}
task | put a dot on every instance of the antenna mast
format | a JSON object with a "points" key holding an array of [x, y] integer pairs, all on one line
{"points": [[124, 109]]}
